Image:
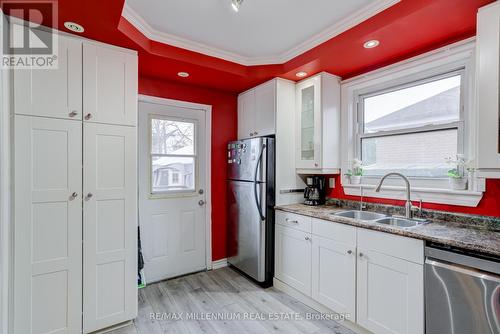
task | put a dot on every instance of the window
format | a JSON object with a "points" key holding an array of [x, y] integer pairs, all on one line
{"points": [[173, 156], [412, 128]]}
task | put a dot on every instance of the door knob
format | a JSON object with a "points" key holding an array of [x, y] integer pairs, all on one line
{"points": [[201, 202], [88, 116], [73, 113]]}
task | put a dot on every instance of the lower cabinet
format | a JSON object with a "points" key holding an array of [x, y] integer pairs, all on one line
{"points": [[374, 277], [333, 274], [293, 258], [390, 294]]}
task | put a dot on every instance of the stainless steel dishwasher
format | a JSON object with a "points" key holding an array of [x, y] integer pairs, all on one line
{"points": [[462, 292]]}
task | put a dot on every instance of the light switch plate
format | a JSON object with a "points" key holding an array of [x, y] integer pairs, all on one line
{"points": [[331, 183]]}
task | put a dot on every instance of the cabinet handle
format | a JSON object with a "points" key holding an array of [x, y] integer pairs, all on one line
{"points": [[255, 133], [360, 254], [88, 116], [73, 113], [288, 220], [315, 165], [349, 251], [89, 195], [74, 195], [307, 238]]}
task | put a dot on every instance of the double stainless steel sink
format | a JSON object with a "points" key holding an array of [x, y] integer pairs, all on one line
{"points": [[379, 218]]}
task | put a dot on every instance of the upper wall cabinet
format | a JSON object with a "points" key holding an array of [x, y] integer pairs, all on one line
{"points": [[257, 111], [488, 88], [52, 93], [109, 85], [318, 125]]}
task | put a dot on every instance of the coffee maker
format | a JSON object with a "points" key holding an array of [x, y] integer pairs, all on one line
{"points": [[315, 192]]}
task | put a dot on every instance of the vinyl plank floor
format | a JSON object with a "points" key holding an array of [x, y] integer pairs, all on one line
{"points": [[181, 305]]}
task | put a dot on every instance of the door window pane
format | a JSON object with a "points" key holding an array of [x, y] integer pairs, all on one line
{"points": [[307, 124], [415, 154], [172, 137], [170, 173], [435, 102]]}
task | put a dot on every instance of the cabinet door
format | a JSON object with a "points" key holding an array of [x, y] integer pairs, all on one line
{"points": [[52, 92], [334, 275], [48, 225], [110, 225], [488, 90], [309, 124], [390, 294], [293, 258], [265, 109], [246, 114], [109, 85]]}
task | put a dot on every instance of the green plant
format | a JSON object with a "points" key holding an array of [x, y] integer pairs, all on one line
{"points": [[459, 163], [357, 168]]}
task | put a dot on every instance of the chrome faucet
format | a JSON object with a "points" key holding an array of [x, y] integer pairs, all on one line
{"points": [[408, 205]]}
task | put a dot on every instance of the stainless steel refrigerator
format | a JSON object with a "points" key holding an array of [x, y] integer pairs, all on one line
{"points": [[251, 199]]}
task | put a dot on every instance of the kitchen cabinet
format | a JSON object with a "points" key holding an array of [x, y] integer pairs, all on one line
{"points": [[318, 125], [109, 85], [52, 92], [375, 277], [390, 283], [75, 186], [488, 89], [293, 258], [257, 111]]}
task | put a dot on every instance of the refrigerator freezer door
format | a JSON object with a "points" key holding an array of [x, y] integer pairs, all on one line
{"points": [[246, 229], [243, 159]]}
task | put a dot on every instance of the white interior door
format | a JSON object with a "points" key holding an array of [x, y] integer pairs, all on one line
{"points": [[110, 225], [172, 168], [48, 226]]}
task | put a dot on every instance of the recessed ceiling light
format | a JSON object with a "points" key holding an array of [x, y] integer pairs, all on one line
{"points": [[75, 27], [183, 74], [301, 74], [371, 44], [236, 4]]}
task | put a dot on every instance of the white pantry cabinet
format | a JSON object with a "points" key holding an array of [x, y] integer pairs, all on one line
{"points": [[109, 85], [488, 88], [75, 202], [48, 225], [318, 125], [257, 111], [293, 257], [109, 225], [52, 92]]}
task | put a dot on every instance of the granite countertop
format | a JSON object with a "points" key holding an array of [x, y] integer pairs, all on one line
{"points": [[447, 233]]}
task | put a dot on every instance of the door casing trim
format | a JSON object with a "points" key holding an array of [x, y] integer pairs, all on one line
{"points": [[208, 170]]}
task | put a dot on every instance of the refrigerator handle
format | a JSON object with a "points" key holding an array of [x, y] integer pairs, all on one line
{"points": [[255, 183]]}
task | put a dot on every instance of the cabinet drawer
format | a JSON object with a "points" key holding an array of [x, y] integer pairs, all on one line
{"points": [[400, 247], [292, 220], [334, 231]]}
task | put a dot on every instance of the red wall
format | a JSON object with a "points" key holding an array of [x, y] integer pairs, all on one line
{"points": [[224, 128], [489, 205]]}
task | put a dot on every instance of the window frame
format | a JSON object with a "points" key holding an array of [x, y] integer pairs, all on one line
{"points": [[151, 155], [409, 82]]}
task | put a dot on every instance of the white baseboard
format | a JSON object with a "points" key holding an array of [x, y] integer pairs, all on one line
{"points": [[219, 264], [283, 287], [114, 327]]}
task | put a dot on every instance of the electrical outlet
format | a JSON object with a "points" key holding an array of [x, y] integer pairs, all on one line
{"points": [[331, 183]]}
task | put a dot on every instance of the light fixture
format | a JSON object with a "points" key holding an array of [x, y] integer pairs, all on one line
{"points": [[183, 74], [371, 44], [236, 4], [301, 74], [75, 27]]}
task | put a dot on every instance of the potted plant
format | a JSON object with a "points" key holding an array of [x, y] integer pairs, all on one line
{"points": [[356, 173], [456, 175]]}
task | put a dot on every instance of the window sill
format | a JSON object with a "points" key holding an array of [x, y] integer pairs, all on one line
{"points": [[429, 195]]}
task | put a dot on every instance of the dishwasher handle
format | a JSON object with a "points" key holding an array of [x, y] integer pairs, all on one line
{"points": [[463, 270]]}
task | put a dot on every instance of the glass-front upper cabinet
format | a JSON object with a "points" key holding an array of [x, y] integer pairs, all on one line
{"points": [[318, 125], [308, 117]]}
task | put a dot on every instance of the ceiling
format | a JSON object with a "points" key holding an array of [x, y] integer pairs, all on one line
{"points": [[262, 32], [405, 29]]}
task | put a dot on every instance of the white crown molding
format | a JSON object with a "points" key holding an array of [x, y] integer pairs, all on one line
{"points": [[345, 24]]}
